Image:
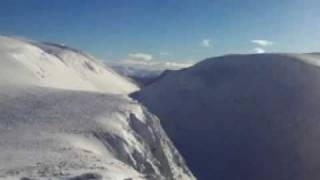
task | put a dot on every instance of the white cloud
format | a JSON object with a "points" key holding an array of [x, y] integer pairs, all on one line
{"points": [[146, 61], [177, 65], [259, 50], [148, 68], [156, 65], [140, 57], [206, 43], [262, 42]]}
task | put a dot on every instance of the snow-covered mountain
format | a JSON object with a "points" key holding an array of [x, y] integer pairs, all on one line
{"points": [[64, 115], [243, 117], [57, 66], [136, 71], [142, 77], [144, 73]]}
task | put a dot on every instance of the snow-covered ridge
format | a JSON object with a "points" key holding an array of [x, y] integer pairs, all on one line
{"points": [[247, 116], [63, 116], [57, 66]]}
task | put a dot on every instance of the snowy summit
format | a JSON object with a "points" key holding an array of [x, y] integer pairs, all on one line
{"points": [[65, 115]]}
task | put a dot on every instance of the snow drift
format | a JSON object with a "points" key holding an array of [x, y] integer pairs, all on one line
{"points": [[63, 115], [244, 117]]}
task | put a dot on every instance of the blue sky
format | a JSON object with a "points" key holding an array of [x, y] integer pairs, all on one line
{"points": [[168, 30]]}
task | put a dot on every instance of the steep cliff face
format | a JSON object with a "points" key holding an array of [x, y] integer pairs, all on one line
{"points": [[243, 117], [63, 116]]}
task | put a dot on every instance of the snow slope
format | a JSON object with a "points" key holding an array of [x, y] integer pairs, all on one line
{"points": [[56, 66], [65, 116], [243, 117]]}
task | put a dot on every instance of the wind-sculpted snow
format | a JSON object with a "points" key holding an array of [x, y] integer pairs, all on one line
{"points": [[57, 130], [244, 117]]}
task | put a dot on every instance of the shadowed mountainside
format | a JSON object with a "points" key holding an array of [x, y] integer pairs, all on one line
{"points": [[244, 117]]}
